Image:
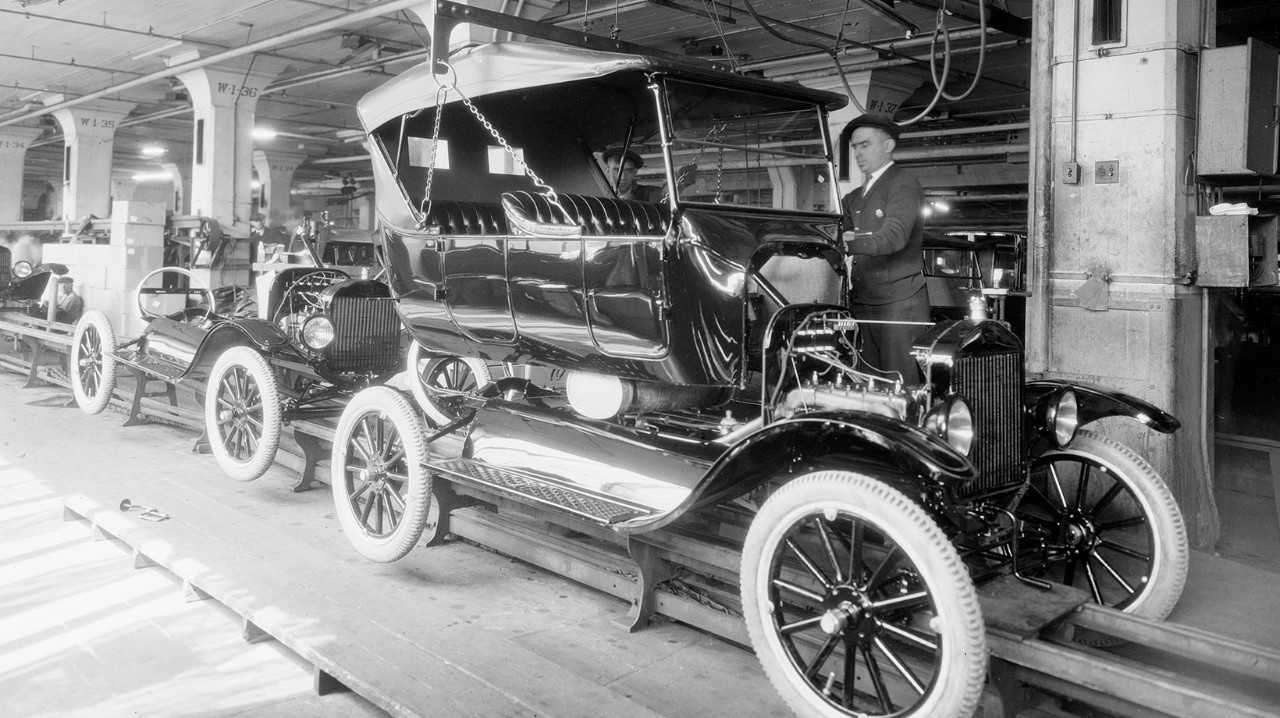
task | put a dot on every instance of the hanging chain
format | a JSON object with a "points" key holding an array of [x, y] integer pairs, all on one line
{"points": [[537, 181], [424, 208], [719, 173]]}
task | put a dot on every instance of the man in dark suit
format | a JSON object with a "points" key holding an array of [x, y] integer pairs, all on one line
{"points": [[883, 233]]}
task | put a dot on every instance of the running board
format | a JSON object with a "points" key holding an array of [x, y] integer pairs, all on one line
{"points": [[599, 509], [152, 365]]}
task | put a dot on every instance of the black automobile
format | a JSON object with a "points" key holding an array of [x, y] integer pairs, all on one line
{"points": [[699, 368], [319, 335]]}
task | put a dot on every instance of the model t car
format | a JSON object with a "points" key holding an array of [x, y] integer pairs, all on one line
{"points": [[710, 369], [319, 334]]}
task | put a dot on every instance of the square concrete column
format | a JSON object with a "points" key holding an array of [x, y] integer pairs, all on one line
{"points": [[89, 133], [1125, 239], [224, 101], [275, 172], [14, 141]]}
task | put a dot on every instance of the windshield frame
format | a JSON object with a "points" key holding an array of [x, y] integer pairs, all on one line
{"points": [[662, 87]]}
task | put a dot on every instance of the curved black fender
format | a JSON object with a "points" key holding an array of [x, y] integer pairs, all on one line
{"points": [[900, 453], [1098, 402], [257, 333]]}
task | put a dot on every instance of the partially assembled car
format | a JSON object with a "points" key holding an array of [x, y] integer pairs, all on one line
{"points": [[319, 335], [696, 360]]}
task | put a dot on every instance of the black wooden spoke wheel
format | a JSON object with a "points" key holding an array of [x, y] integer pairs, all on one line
{"points": [[442, 383], [242, 413], [381, 490], [1098, 517], [92, 362], [858, 605]]}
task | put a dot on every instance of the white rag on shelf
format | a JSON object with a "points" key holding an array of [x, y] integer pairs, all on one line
{"points": [[1228, 208]]}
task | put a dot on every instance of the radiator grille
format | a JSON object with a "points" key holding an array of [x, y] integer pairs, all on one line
{"points": [[366, 334], [993, 384]]}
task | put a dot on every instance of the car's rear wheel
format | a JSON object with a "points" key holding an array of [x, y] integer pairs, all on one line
{"points": [[1105, 522], [441, 383], [857, 604], [242, 413], [92, 362], [381, 490]]}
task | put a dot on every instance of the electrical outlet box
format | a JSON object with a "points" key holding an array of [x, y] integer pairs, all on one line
{"points": [[1106, 172], [1071, 173]]}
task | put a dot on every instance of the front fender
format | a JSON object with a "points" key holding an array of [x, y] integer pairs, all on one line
{"points": [[900, 453], [257, 333], [1099, 402]]}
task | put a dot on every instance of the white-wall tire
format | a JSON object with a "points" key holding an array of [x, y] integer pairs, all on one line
{"points": [[1122, 538], [381, 491], [242, 415], [920, 608], [92, 364], [439, 382]]}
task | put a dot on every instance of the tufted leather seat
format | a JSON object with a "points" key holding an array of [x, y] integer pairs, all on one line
{"points": [[599, 216], [458, 217]]}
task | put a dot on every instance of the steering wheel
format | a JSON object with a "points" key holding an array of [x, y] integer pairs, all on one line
{"points": [[198, 286]]}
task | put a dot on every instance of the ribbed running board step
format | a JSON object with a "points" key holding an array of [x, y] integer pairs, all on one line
{"points": [[150, 364], [588, 505]]}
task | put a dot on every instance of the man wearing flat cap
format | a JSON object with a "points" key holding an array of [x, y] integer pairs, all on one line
{"points": [[883, 233], [621, 165]]}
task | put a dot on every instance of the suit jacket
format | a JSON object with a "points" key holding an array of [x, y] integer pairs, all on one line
{"points": [[887, 266]]}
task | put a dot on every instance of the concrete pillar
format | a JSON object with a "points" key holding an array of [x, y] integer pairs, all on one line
{"points": [[1133, 237], [275, 172], [13, 152], [89, 133], [224, 100], [180, 202]]}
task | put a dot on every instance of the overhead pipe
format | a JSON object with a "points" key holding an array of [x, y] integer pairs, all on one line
{"points": [[822, 72], [299, 34], [942, 152]]}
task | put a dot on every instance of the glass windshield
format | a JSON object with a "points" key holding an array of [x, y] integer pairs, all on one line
{"points": [[749, 149]]}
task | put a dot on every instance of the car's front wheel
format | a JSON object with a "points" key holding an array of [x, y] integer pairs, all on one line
{"points": [[242, 413], [857, 604], [381, 490], [1104, 521], [92, 362]]}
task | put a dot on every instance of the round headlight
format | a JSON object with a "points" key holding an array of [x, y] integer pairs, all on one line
{"points": [[22, 269], [952, 422], [317, 332], [1064, 418]]}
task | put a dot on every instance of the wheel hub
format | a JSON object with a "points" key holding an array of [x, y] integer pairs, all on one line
{"points": [[1080, 533], [844, 609]]}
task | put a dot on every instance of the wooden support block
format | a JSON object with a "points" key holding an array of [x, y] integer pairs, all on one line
{"points": [[100, 534], [192, 593], [326, 683], [70, 514], [253, 634], [141, 560]]}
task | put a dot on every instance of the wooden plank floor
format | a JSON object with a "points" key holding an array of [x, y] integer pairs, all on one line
{"points": [[454, 630]]}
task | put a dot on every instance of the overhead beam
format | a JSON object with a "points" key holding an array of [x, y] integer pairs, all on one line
{"points": [[997, 19], [253, 47]]}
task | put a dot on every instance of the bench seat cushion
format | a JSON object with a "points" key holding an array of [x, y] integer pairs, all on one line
{"points": [[598, 216], [459, 217]]}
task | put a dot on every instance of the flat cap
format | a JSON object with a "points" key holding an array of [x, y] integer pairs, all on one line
{"points": [[878, 120], [616, 150]]}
